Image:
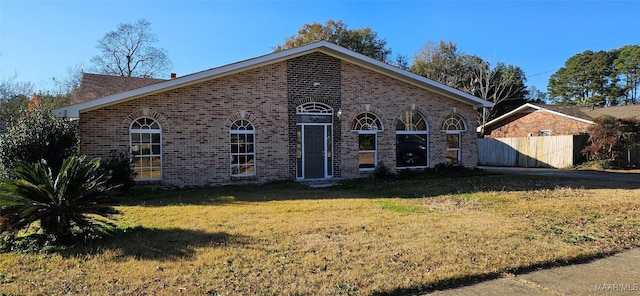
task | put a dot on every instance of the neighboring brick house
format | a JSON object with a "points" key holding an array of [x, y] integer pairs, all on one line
{"points": [[93, 86], [551, 120], [318, 111]]}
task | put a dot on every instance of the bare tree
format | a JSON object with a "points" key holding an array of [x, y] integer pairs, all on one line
{"points": [[498, 86], [128, 52]]}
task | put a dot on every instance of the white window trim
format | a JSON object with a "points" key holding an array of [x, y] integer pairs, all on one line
{"points": [[458, 132], [375, 152], [541, 133], [255, 148], [146, 131], [459, 149], [416, 132], [427, 149]]}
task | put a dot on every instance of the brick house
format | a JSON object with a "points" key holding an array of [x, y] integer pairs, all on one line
{"points": [[551, 120], [318, 111]]}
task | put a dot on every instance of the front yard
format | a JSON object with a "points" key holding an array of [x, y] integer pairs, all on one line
{"points": [[362, 237]]}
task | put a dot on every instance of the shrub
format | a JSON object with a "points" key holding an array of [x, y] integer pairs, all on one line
{"points": [[38, 135], [118, 165], [76, 199], [382, 172], [610, 138]]}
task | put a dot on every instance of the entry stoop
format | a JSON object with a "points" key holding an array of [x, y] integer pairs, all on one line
{"points": [[321, 183]]}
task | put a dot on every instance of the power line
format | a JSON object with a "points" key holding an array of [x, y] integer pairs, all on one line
{"points": [[541, 73]]}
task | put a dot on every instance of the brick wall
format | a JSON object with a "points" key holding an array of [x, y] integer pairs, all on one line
{"points": [[388, 98], [526, 124], [313, 78], [195, 120], [195, 123]]}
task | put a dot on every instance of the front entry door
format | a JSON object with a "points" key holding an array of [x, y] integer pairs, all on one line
{"points": [[314, 155]]}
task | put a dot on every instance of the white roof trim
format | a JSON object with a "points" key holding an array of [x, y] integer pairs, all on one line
{"points": [[480, 128], [321, 46]]}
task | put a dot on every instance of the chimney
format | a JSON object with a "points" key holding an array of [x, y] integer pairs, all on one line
{"points": [[173, 75]]}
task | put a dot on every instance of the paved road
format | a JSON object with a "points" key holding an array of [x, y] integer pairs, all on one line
{"points": [[620, 176]]}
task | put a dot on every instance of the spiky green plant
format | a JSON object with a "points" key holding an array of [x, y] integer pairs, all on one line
{"points": [[75, 199]]}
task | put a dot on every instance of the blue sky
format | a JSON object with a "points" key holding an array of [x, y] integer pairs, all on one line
{"points": [[39, 40]]}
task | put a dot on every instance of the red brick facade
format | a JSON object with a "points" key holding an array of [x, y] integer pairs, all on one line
{"points": [[532, 123], [195, 120]]}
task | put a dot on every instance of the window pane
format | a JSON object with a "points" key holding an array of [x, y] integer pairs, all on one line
{"points": [[411, 150], [135, 137], [366, 160], [367, 141], [242, 147], [155, 138], [155, 162], [247, 166], [453, 141], [146, 138], [155, 149], [452, 157], [135, 150], [145, 149]]}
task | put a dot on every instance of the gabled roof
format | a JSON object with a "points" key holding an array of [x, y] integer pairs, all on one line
{"points": [[579, 113], [568, 111], [627, 111], [321, 46]]}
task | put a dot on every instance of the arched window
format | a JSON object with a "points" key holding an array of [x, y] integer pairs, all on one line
{"points": [[243, 146], [453, 124], [411, 140], [367, 125], [146, 148], [366, 121]]}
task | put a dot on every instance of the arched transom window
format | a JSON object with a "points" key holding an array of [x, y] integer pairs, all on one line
{"points": [[411, 140], [314, 108], [146, 148], [453, 122], [243, 152], [452, 125], [366, 121], [367, 125]]}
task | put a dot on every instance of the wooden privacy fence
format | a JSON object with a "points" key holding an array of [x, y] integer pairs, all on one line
{"points": [[549, 151]]}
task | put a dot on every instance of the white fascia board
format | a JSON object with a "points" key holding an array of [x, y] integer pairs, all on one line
{"points": [[508, 114], [404, 75], [75, 110]]}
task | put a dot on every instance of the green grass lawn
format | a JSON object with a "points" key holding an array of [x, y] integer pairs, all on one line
{"points": [[363, 237]]}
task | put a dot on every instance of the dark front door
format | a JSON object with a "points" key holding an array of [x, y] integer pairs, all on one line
{"points": [[314, 151]]}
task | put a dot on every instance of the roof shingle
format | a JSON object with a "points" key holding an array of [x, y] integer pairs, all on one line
{"points": [[95, 86]]}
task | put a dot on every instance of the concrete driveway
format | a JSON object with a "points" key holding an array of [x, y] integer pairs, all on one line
{"points": [[617, 176], [614, 275]]}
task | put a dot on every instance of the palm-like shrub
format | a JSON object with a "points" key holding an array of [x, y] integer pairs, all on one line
{"points": [[75, 199]]}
